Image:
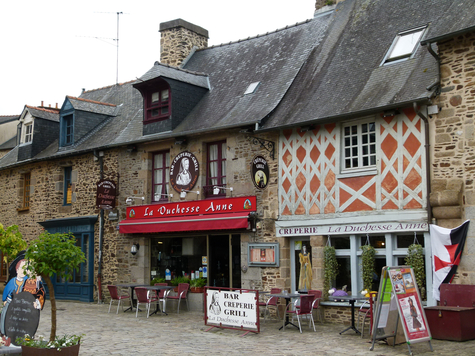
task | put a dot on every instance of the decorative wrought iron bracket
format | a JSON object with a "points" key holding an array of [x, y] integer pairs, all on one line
{"points": [[268, 145]]}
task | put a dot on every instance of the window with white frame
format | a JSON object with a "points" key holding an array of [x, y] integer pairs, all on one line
{"points": [[28, 132], [359, 145], [404, 45], [160, 175], [391, 250]]}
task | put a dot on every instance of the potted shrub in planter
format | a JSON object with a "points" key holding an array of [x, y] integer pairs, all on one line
{"points": [[198, 285], [51, 254], [177, 280]]}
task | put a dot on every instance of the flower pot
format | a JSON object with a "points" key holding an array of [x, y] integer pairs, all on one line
{"points": [[197, 289], [64, 351]]}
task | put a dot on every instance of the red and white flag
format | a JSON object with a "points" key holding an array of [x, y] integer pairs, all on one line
{"points": [[447, 247]]}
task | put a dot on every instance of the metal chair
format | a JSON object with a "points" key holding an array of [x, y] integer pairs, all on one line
{"points": [[271, 303], [366, 310], [304, 308], [162, 295], [317, 297], [145, 297], [182, 294], [117, 294]]}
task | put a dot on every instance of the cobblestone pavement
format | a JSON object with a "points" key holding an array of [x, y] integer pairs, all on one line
{"points": [[185, 334]]}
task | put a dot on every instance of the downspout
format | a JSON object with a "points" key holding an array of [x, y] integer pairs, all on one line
{"points": [[101, 233], [427, 153]]}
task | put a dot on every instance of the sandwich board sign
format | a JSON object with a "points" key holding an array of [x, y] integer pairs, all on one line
{"points": [[399, 299]]}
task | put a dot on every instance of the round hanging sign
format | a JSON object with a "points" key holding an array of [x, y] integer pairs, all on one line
{"points": [[260, 172], [184, 171]]}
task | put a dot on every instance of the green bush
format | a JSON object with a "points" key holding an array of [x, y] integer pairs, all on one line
{"points": [[175, 281]]}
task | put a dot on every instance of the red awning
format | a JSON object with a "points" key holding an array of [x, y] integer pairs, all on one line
{"points": [[186, 223]]}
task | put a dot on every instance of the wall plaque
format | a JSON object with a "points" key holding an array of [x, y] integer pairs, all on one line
{"points": [[260, 172], [184, 171]]}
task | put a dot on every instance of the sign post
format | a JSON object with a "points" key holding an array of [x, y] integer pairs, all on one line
{"points": [[399, 299]]}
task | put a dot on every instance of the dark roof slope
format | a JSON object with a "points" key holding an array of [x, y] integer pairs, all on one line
{"points": [[273, 60], [457, 19], [43, 113], [9, 144], [343, 76], [8, 118]]}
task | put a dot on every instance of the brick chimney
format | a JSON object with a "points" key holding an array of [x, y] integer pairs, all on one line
{"points": [[178, 38]]}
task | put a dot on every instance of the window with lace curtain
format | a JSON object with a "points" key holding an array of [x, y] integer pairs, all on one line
{"points": [[216, 172], [160, 175]]}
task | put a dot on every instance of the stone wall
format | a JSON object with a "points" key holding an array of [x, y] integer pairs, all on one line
{"points": [[178, 38], [453, 145]]}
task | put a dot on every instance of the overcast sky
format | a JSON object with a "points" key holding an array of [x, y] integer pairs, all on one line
{"points": [[53, 48]]}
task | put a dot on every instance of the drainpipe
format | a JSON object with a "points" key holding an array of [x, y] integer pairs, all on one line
{"points": [[101, 233], [427, 153]]}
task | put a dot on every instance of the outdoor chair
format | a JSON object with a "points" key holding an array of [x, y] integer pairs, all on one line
{"points": [[182, 294], [366, 311], [144, 296], [317, 297], [302, 306], [271, 303], [118, 294], [162, 295]]}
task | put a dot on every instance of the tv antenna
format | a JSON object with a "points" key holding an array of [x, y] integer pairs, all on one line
{"points": [[116, 42]]}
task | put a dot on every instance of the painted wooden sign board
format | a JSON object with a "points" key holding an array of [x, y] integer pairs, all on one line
{"points": [[232, 308], [399, 299], [21, 317]]}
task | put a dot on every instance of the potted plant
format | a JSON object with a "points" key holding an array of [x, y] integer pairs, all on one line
{"points": [[177, 280], [198, 285], [415, 259], [330, 266], [158, 280], [51, 254], [367, 262]]}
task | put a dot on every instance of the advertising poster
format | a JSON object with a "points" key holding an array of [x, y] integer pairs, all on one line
{"points": [[231, 308], [409, 304]]}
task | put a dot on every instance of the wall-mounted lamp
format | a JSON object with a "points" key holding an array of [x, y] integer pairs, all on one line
{"points": [[134, 249], [180, 140], [253, 218], [216, 190], [131, 148], [130, 200], [158, 195], [388, 113], [183, 193]]}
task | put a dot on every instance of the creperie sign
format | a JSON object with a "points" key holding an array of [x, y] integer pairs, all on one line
{"points": [[196, 207]]}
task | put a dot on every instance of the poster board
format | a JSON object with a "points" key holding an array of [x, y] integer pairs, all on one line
{"points": [[232, 308], [263, 254], [399, 303]]}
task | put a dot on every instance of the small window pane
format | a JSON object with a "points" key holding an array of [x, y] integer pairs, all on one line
{"points": [[354, 130], [405, 44], [165, 110], [164, 95], [154, 112], [155, 97], [340, 243]]}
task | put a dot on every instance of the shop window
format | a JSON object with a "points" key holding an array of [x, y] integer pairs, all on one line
{"points": [[68, 189], [216, 169], [404, 241], [359, 146], [160, 176], [26, 187]]}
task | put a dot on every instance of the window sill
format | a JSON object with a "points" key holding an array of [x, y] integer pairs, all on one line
{"points": [[369, 172], [23, 209]]}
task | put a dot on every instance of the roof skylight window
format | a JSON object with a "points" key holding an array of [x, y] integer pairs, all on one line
{"points": [[251, 88], [404, 45]]}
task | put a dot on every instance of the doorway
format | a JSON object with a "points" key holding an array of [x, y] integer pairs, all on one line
{"points": [[224, 261], [301, 264]]}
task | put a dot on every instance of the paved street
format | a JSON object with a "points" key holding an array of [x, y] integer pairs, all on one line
{"points": [[185, 334]]}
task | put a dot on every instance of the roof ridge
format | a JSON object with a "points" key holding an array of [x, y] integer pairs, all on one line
{"points": [[9, 115], [257, 36], [50, 110], [90, 101], [180, 69]]}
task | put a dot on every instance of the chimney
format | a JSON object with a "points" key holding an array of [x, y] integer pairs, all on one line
{"points": [[322, 3], [178, 38]]}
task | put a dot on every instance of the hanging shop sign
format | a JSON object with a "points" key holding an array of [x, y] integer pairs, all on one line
{"points": [[260, 172], [184, 171], [106, 194]]}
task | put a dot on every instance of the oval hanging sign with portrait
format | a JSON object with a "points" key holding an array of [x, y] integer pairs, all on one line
{"points": [[260, 172], [184, 171]]}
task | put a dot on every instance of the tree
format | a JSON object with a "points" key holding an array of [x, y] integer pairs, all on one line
{"points": [[11, 242], [51, 254]]}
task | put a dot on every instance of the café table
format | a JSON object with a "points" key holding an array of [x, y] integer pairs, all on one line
{"points": [[158, 288], [352, 300], [288, 297]]}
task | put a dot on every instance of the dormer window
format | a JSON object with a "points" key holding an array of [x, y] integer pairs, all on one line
{"points": [[158, 106], [28, 133], [67, 130], [404, 45]]}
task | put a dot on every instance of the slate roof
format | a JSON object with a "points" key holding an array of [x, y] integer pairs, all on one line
{"points": [[44, 113], [93, 106], [182, 75], [9, 144], [7, 118], [457, 19], [343, 77]]}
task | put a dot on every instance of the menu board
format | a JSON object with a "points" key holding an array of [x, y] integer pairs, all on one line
{"points": [[21, 317]]}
